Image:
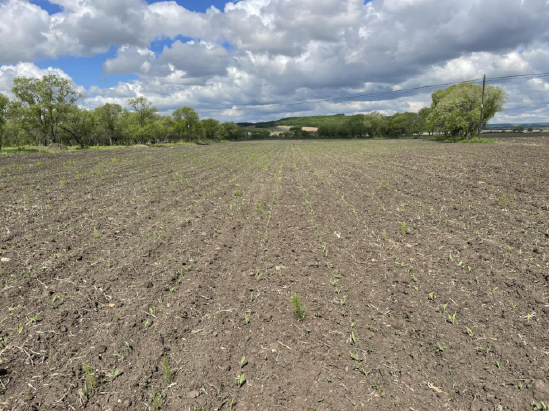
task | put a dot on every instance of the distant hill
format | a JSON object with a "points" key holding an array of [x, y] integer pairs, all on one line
{"points": [[307, 121], [499, 126], [318, 121]]}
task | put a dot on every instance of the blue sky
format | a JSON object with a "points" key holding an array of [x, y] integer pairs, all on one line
{"points": [[194, 5], [88, 71], [199, 5]]}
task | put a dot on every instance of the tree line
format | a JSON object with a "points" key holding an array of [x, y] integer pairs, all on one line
{"points": [[46, 111], [455, 111]]}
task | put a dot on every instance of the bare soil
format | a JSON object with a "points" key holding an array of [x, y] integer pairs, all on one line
{"points": [[155, 278]]}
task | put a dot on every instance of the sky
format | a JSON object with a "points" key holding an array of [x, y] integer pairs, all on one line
{"points": [[229, 60]]}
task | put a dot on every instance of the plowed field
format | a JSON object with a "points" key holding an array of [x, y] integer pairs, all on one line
{"points": [[161, 278]]}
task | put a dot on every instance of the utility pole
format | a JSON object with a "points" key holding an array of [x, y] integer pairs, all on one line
{"points": [[481, 111]]}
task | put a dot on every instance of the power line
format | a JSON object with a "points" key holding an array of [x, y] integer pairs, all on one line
{"points": [[493, 79]]}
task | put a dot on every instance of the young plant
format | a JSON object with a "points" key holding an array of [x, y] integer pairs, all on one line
{"points": [[241, 380], [452, 318], [90, 383], [440, 347], [403, 228], [168, 375], [298, 307], [355, 356]]}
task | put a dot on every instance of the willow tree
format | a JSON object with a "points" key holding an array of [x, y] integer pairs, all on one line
{"points": [[456, 110]]}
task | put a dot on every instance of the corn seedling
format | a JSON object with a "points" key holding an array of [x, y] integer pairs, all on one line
{"points": [[469, 331], [452, 318], [431, 296], [355, 356], [440, 347], [529, 316], [241, 380], [242, 362], [114, 374], [540, 406]]}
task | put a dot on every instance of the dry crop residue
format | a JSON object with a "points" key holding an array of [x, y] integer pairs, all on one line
{"points": [[161, 278]]}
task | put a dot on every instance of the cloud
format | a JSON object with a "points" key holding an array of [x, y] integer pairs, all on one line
{"points": [[258, 52], [8, 73]]}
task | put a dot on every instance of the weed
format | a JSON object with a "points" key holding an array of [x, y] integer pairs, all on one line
{"points": [[97, 234], [157, 400], [168, 375], [298, 307], [90, 383], [403, 228]]}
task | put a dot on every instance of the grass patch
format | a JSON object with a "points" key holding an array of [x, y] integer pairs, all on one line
{"points": [[477, 140]]}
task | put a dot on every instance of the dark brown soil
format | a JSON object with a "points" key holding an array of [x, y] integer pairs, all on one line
{"points": [[423, 267]]}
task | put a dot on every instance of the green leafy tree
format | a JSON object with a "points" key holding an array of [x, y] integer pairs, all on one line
{"points": [[4, 106], [79, 125], [456, 110], [144, 108], [109, 121], [44, 104], [187, 123], [376, 124], [232, 130], [213, 130], [355, 126]]}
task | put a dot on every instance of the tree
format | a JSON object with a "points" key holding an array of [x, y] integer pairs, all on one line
{"points": [[4, 105], [456, 110], [355, 126], [213, 129], [518, 129], [401, 124], [423, 125], [187, 120], [44, 103], [79, 124], [529, 129], [376, 124], [232, 130], [108, 118], [144, 108]]}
